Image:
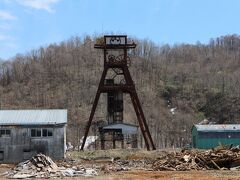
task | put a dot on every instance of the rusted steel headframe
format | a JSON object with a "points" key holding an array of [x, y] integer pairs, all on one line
{"points": [[119, 42]]}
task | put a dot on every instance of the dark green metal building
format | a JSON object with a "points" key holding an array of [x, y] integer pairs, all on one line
{"points": [[212, 135]]}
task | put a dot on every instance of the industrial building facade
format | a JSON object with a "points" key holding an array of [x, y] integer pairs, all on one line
{"points": [[23, 133], [212, 135]]}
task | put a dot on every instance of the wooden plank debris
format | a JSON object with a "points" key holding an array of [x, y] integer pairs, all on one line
{"points": [[186, 160]]}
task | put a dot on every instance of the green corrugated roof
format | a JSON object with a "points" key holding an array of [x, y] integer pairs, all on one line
{"points": [[218, 127]]}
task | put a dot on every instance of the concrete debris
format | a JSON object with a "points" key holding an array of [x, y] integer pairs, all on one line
{"points": [[41, 166], [220, 159]]}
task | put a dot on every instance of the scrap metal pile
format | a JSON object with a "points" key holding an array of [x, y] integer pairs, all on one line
{"points": [[219, 159], [41, 166]]}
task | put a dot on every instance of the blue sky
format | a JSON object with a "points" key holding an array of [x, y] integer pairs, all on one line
{"points": [[29, 24]]}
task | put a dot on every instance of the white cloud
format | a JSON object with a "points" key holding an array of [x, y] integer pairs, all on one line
{"points": [[5, 37], [7, 1], [5, 15], [5, 26], [39, 4]]}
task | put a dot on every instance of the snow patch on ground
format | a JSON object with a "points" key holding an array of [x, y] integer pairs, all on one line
{"points": [[90, 140], [173, 110]]}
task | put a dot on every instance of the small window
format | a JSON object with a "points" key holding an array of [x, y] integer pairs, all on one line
{"points": [[50, 132], [8, 132], [5, 132], [33, 132], [36, 133], [45, 132], [2, 132], [41, 132], [1, 155]]}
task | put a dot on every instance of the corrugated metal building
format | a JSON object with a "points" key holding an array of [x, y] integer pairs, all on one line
{"points": [[118, 132], [212, 135], [124, 128], [24, 133]]}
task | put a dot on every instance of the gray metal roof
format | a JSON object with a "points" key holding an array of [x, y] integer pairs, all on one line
{"points": [[33, 117], [126, 128], [218, 127]]}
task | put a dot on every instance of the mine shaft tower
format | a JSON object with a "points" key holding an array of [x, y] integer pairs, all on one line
{"points": [[115, 49]]}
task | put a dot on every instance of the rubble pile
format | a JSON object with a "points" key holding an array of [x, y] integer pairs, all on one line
{"points": [[41, 166], [221, 159]]}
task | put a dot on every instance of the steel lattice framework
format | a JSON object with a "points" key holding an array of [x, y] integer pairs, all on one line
{"points": [[118, 63]]}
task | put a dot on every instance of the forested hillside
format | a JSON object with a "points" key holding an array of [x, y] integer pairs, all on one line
{"points": [[178, 85]]}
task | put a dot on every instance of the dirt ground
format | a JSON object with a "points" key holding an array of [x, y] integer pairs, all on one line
{"points": [[162, 175], [176, 175], [89, 159], [167, 175]]}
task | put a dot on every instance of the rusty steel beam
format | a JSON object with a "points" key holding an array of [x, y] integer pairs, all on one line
{"points": [[144, 120], [129, 87], [139, 111], [139, 121], [94, 107]]}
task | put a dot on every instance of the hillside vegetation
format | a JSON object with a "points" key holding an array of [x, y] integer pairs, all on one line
{"points": [[177, 85]]}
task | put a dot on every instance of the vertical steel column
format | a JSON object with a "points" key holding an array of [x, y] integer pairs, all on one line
{"points": [[143, 119], [101, 84], [138, 110], [140, 121]]}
